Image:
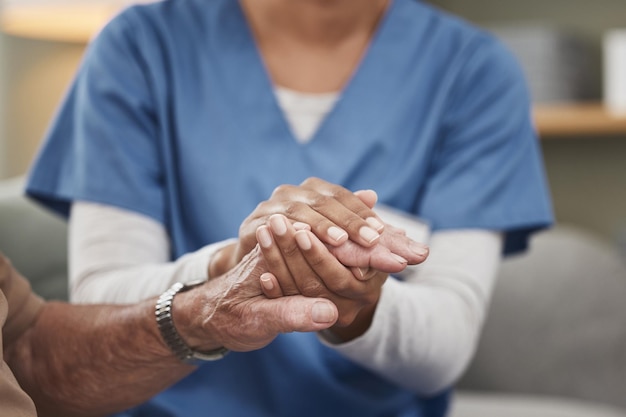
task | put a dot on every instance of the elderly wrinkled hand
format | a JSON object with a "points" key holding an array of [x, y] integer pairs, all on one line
{"points": [[231, 311]]}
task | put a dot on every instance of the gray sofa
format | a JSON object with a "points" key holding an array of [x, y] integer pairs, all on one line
{"points": [[554, 344], [34, 239]]}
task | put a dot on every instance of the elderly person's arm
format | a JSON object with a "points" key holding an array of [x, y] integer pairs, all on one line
{"points": [[98, 359]]}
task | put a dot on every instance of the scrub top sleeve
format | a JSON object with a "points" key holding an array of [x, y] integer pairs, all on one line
{"points": [[487, 171], [103, 145]]}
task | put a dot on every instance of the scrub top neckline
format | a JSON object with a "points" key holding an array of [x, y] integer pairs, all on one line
{"points": [[344, 93]]}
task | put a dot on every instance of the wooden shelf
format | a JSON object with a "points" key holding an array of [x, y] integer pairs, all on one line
{"points": [[583, 119]]}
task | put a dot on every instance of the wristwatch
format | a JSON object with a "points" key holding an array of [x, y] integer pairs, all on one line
{"points": [[163, 312]]}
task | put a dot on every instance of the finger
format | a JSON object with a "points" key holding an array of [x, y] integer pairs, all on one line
{"points": [[301, 226], [368, 197], [334, 275], [359, 273], [308, 282], [378, 257], [296, 314], [331, 221], [270, 285], [399, 243], [350, 295], [382, 259], [274, 261], [364, 274], [352, 215], [305, 279], [393, 253], [295, 203]]}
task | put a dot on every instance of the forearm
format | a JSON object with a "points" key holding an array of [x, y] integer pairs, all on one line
{"points": [[93, 360], [423, 352], [426, 328], [120, 284], [117, 256]]}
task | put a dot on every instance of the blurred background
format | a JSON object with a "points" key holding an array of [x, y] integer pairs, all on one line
{"points": [[567, 340], [559, 44], [41, 44]]}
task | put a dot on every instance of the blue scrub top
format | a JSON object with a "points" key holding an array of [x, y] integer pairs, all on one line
{"points": [[173, 115]]}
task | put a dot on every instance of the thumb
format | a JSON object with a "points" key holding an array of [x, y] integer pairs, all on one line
{"points": [[298, 313], [368, 197], [384, 260]]}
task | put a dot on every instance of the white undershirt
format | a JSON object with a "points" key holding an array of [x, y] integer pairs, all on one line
{"points": [[304, 111], [426, 326]]}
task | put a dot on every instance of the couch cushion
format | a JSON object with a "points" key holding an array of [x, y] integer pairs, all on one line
{"points": [[557, 324]]}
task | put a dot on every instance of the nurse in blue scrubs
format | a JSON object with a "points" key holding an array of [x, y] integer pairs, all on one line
{"points": [[185, 115]]}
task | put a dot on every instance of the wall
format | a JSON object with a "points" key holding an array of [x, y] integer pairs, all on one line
{"points": [[2, 109], [33, 78], [587, 174], [588, 182], [589, 17]]}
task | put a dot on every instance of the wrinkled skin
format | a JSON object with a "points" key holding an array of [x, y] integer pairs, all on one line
{"points": [[300, 258], [232, 311]]}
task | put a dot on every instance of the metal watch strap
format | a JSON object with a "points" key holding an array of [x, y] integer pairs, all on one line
{"points": [[165, 323]]}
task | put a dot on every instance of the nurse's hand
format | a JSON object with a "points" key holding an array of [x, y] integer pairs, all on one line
{"points": [[335, 215], [300, 264]]}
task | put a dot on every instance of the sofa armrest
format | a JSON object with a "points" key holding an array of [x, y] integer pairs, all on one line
{"points": [[34, 239]]}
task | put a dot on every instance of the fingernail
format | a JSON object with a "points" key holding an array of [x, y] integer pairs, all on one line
{"points": [[399, 258], [279, 226], [418, 249], [336, 234], [375, 223], [266, 281], [264, 237], [301, 226], [303, 240], [369, 234], [322, 313], [357, 272]]}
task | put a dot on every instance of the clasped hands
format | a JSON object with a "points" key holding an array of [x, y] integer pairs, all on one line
{"points": [[311, 257]]}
